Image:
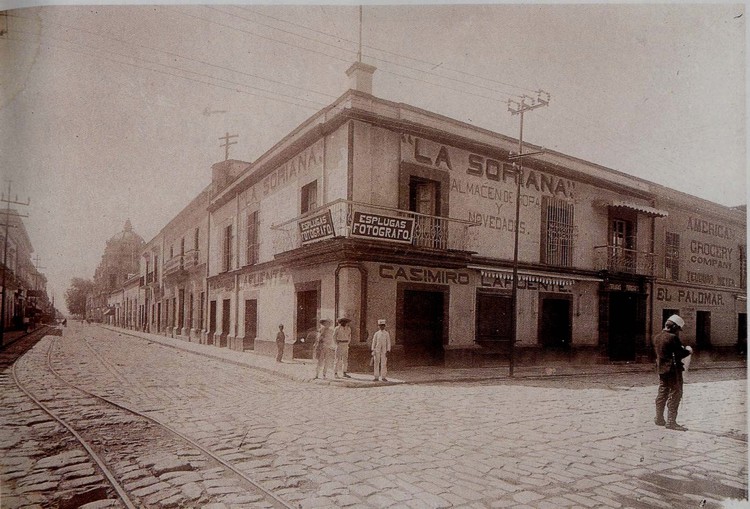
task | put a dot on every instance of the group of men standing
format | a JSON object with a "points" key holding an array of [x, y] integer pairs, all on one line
{"points": [[333, 343]]}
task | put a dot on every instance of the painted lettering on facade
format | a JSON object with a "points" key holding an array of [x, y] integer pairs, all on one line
{"points": [[264, 277], [221, 284], [376, 226], [709, 228], [307, 161], [535, 286], [316, 227], [687, 296], [424, 275], [442, 157]]}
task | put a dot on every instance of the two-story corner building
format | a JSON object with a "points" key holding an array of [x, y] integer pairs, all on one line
{"points": [[703, 276], [373, 209], [173, 275]]}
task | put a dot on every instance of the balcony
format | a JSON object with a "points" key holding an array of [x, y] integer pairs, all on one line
{"points": [[174, 265], [343, 218], [628, 261], [191, 259]]}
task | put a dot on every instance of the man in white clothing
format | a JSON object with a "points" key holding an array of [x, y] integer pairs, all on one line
{"points": [[381, 345], [342, 335]]}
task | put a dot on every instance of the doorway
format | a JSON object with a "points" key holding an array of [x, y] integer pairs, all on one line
{"points": [[251, 324], [555, 329], [308, 302], [211, 323], [626, 324], [225, 323], [423, 327], [703, 330]]}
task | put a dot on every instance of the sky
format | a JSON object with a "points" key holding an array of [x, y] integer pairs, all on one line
{"points": [[114, 112]]}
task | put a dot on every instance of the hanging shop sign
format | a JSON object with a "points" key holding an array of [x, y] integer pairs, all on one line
{"points": [[316, 227], [376, 226]]}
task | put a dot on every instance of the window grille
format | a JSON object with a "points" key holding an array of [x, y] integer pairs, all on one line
{"points": [[558, 232], [228, 238], [253, 226]]}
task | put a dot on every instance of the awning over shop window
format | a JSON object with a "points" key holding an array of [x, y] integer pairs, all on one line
{"points": [[109, 312], [548, 278], [641, 209]]}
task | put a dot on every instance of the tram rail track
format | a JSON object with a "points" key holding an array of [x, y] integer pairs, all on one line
{"points": [[118, 438]]}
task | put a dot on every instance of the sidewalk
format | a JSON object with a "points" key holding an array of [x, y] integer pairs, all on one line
{"points": [[303, 370]]}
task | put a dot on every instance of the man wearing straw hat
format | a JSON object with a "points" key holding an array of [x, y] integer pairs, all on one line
{"points": [[342, 335]]}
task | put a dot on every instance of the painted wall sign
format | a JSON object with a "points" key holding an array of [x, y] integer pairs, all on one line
{"points": [[710, 251], [316, 227], [222, 283], [536, 286], [424, 275], [462, 162], [689, 296], [308, 161], [264, 277], [376, 226]]}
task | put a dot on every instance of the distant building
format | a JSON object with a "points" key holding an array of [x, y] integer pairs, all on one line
{"points": [[26, 300], [119, 263]]}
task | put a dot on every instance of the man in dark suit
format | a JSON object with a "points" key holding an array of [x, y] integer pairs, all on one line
{"points": [[669, 354]]}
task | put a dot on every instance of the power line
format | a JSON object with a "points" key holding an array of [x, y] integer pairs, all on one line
{"points": [[426, 62], [496, 99], [182, 57], [318, 104]]}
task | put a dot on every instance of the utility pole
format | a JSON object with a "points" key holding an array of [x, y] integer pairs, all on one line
{"points": [[227, 143], [526, 103], [8, 201]]}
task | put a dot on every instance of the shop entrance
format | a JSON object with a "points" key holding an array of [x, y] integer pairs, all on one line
{"points": [[422, 327], [211, 323], [626, 324], [703, 330], [555, 329], [307, 322], [494, 326], [225, 319], [251, 324]]}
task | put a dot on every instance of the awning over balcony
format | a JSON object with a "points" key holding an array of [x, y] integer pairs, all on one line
{"points": [[534, 276], [641, 209]]}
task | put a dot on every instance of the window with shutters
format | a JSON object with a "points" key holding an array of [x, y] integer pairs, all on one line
{"points": [[227, 251], [672, 256], [558, 232], [253, 225]]}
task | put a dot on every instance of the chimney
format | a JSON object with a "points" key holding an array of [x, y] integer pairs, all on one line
{"points": [[360, 77]]}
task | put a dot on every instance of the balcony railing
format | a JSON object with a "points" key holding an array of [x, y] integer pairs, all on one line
{"points": [[433, 232], [191, 259], [174, 265], [618, 259]]}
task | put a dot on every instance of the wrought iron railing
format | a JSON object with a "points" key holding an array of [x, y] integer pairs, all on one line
{"points": [[619, 259], [173, 265], [422, 230]]}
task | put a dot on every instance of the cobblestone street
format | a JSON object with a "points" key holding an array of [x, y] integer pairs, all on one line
{"points": [[548, 443]]}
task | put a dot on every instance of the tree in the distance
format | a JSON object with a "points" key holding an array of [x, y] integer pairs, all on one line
{"points": [[75, 296]]}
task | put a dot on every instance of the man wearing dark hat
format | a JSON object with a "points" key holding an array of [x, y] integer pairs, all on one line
{"points": [[669, 354], [342, 335]]}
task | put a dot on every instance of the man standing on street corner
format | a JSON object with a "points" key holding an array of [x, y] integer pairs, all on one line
{"points": [[342, 335], [669, 354], [280, 340], [381, 345]]}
